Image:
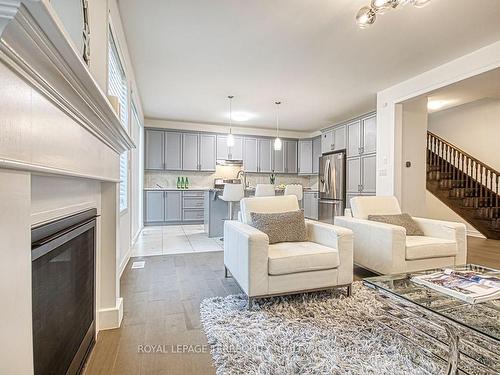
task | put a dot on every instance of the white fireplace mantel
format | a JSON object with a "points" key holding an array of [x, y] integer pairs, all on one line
{"points": [[34, 44]]}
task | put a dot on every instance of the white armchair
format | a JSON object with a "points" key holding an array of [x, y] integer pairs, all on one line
{"points": [[262, 270], [386, 249]]}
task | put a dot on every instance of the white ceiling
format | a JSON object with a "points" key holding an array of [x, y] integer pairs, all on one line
{"points": [[188, 55]]}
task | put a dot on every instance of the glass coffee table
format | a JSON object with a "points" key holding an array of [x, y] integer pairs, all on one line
{"points": [[464, 335]]}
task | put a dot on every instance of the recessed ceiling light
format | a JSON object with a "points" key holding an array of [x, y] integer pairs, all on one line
{"points": [[435, 104], [242, 116]]}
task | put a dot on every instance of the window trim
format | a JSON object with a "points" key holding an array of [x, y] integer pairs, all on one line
{"points": [[113, 41]]}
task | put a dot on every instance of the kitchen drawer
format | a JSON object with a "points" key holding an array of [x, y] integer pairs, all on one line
{"points": [[193, 215], [192, 202], [193, 193]]}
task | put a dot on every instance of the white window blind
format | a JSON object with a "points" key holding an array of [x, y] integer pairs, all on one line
{"points": [[118, 86]]}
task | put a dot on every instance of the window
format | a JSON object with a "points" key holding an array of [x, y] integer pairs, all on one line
{"points": [[118, 86]]}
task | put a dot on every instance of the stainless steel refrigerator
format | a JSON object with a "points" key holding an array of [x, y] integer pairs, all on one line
{"points": [[332, 186]]}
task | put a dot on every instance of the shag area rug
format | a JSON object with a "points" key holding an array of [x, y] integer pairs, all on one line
{"points": [[315, 333]]}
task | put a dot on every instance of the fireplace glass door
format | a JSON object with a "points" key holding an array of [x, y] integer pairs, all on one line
{"points": [[63, 282]]}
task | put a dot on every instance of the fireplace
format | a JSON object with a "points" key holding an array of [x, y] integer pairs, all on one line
{"points": [[63, 293]]}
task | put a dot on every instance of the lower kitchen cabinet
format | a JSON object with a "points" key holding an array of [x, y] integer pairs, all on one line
{"points": [[154, 207], [173, 207], [361, 174], [310, 202]]}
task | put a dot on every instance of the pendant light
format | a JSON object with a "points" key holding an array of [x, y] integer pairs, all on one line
{"points": [[277, 141], [230, 136]]}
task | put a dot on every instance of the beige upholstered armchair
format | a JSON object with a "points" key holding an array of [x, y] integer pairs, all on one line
{"points": [[324, 261], [386, 249]]}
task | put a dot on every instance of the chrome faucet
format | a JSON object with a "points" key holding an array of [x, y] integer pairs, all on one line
{"points": [[240, 173]]}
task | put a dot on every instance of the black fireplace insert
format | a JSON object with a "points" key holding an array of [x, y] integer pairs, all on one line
{"points": [[63, 293]]}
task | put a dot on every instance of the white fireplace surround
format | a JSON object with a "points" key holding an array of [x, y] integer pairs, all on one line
{"points": [[60, 142]]}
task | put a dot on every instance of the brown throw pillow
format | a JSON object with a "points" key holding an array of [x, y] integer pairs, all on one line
{"points": [[281, 227], [402, 220]]}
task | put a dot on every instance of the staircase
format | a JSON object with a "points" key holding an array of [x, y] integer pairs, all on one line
{"points": [[466, 185]]}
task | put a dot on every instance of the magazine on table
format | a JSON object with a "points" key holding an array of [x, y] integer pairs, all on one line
{"points": [[469, 286]]}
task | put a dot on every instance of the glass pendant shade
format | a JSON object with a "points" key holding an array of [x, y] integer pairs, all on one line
{"points": [[277, 144], [230, 140], [382, 6], [365, 17], [420, 3]]}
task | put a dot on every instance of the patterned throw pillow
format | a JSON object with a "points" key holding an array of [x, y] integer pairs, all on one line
{"points": [[402, 220], [281, 227]]}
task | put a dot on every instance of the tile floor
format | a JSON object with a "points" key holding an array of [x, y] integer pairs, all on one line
{"points": [[174, 239]]}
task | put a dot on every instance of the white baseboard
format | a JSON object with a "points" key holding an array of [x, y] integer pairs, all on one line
{"points": [[124, 262], [111, 317], [474, 233]]}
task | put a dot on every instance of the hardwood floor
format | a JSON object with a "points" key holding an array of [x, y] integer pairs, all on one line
{"points": [[161, 307]]}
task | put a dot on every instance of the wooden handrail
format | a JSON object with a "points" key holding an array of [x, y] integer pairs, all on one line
{"points": [[486, 166]]}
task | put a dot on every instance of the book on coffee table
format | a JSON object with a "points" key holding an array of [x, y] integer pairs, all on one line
{"points": [[469, 286]]}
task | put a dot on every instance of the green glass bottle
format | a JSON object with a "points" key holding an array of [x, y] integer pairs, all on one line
{"points": [[182, 183], [187, 183], [178, 182]]}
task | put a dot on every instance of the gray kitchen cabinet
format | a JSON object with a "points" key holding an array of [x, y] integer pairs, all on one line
{"points": [[264, 155], [327, 141], [154, 146], [369, 134], [250, 154], [231, 153], [206, 154], [333, 139], [173, 206], [222, 149], [310, 203], [368, 173], [190, 152], [279, 160], [339, 138], [361, 174], [173, 151], [236, 152], [154, 207], [353, 175], [316, 154], [290, 148], [354, 138], [362, 136], [305, 156]]}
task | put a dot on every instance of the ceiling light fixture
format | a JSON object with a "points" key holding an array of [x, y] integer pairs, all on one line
{"points": [[277, 141], [367, 15], [230, 136]]}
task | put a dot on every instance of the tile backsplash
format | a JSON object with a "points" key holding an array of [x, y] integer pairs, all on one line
{"points": [[206, 179]]}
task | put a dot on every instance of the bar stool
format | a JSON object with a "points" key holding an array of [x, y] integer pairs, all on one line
{"points": [[265, 190], [232, 193], [295, 189]]}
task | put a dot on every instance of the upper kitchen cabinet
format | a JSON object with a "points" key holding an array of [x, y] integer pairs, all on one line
{"points": [[154, 146], [190, 152], [279, 160], [198, 152], [333, 139], [305, 156], [290, 148], [369, 134], [229, 153], [316, 154], [264, 155], [173, 151], [206, 154], [250, 154], [362, 136]]}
